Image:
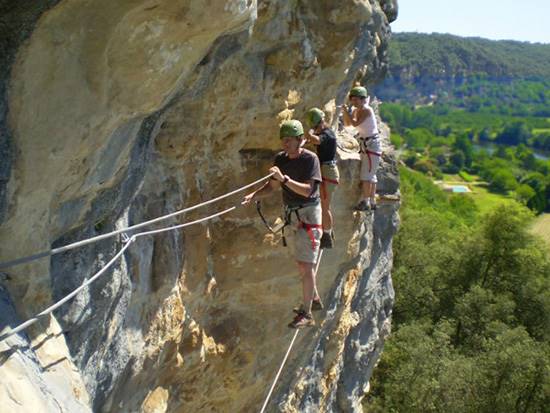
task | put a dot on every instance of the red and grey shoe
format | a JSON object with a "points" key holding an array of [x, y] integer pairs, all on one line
{"points": [[302, 320]]}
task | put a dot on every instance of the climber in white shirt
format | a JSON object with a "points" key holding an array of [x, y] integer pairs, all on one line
{"points": [[363, 118]]}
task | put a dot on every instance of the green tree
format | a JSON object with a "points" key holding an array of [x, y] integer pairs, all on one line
{"points": [[515, 374], [539, 184], [463, 144], [472, 313], [524, 194], [484, 135], [514, 134], [502, 180], [418, 139], [457, 159]]}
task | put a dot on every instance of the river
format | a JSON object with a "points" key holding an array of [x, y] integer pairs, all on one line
{"points": [[492, 147]]}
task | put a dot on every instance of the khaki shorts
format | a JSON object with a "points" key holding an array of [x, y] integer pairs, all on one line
{"points": [[369, 166], [331, 178], [306, 243]]}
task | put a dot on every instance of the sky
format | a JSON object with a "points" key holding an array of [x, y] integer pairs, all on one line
{"points": [[525, 20]]}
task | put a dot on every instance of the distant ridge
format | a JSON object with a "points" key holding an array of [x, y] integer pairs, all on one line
{"points": [[476, 74], [445, 55]]}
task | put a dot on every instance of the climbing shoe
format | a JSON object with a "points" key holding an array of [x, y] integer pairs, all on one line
{"points": [[326, 241], [302, 320], [362, 206], [373, 207]]}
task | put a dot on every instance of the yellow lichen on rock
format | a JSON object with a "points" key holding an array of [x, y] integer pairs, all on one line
{"points": [[156, 401]]}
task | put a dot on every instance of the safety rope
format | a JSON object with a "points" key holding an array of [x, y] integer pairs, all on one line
{"points": [[94, 277], [266, 401], [91, 240], [279, 372]]}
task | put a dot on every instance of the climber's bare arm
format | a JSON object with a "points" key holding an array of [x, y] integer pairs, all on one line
{"points": [[264, 191], [312, 138], [357, 117], [302, 188]]}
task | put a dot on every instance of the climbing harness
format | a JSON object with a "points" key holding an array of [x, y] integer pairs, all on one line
{"points": [[301, 224], [363, 142], [363, 148], [273, 230], [309, 229], [288, 211]]}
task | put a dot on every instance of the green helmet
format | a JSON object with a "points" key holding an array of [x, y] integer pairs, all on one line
{"points": [[359, 91], [314, 117], [291, 128]]}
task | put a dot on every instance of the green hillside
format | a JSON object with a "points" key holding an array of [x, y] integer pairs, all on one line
{"points": [[444, 55], [469, 73]]}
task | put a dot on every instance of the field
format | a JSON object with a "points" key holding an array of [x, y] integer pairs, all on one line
{"points": [[484, 199]]}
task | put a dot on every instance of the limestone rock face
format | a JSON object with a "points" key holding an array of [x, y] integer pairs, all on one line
{"points": [[114, 112], [38, 378]]}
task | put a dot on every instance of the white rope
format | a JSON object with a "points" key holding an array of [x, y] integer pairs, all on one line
{"points": [[279, 372], [126, 229], [318, 262], [59, 303], [266, 401]]}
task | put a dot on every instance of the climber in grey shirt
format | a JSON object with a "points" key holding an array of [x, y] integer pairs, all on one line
{"points": [[299, 173]]}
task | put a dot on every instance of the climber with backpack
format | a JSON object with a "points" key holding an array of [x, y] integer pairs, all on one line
{"points": [[363, 118], [297, 171], [323, 137]]}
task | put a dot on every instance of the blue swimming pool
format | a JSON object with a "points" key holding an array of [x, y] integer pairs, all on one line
{"points": [[460, 188]]}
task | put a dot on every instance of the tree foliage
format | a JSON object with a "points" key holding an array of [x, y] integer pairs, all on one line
{"points": [[471, 323]]}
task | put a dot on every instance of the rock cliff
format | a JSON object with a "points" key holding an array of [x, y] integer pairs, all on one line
{"points": [[112, 113]]}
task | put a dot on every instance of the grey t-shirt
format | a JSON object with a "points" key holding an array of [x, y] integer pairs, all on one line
{"points": [[305, 167]]}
